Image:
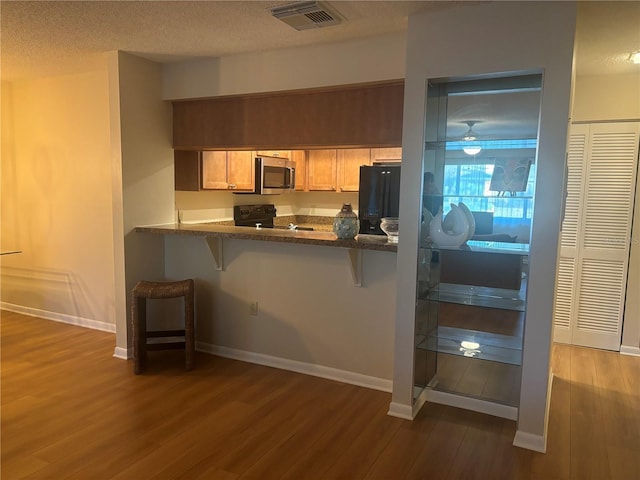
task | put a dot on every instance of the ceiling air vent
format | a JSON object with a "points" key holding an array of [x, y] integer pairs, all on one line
{"points": [[306, 15]]}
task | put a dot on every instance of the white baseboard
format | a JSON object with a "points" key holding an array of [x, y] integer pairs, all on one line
{"points": [[300, 367], [59, 317], [633, 351], [474, 404], [531, 441], [537, 443], [122, 353], [400, 410]]}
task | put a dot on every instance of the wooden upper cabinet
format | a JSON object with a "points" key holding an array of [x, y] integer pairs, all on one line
{"points": [[389, 155], [214, 170], [322, 170], [300, 157], [228, 170], [349, 163], [187, 170], [241, 170], [346, 116]]}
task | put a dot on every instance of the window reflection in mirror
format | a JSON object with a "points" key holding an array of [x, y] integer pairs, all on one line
{"points": [[481, 150]]}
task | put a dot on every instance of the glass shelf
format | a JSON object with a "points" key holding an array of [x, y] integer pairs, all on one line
{"points": [[500, 298], [473, 344]]}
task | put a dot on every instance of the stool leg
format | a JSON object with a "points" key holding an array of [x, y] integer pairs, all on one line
{"points": [[139, 319], [189, 328]]}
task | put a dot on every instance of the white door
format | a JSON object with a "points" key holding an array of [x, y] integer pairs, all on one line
{"points": [[602, 162]]}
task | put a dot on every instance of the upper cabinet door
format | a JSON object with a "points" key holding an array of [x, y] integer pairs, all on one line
{"points": [[241, 170], [214, 170], [345, 116], [349, 163], [187, 170], [300, 157], [386, 155], [322, 170]]}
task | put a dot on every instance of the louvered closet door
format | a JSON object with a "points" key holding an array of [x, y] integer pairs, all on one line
{"points": [[566, 275], [592, 270]]}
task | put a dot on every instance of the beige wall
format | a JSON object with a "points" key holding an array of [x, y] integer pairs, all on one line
{"points": [[606, 97], [309, 311], [56, 199], [212, 205], [146, 180]]}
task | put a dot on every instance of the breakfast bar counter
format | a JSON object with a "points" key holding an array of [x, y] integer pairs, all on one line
{"points": [[322, 238]]}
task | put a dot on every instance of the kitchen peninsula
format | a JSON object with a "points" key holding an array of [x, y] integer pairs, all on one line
{"points": [[215, 233], [288, 299]]}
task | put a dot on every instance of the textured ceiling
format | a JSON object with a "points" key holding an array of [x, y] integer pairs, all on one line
{"points": [[54, 35], [51, 37]]}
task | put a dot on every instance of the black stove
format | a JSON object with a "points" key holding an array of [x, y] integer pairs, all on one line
{"points": [[252, 215]]}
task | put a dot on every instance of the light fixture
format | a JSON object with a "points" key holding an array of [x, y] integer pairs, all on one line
{"points": [[469, 349], [634, 57], [473, 148]]}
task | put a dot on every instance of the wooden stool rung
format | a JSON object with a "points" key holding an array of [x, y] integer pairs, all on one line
{"points": [[166, 346], [166, 333]]}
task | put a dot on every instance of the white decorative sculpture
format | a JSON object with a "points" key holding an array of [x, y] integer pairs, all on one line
{"points": [[470, 218], [452, 234]]}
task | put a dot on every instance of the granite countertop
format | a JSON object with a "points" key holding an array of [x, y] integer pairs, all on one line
{"points": [[316, 237]]}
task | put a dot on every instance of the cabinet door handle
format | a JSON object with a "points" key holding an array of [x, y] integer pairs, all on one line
{"points": [[231, 185]]}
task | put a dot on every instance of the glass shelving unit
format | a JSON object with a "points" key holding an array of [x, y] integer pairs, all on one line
{"points": [[471, 299]]}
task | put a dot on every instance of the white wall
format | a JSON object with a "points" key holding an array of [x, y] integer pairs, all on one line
{"points": [[481, 39], [372, 59], [56, 199], [617, 98]]}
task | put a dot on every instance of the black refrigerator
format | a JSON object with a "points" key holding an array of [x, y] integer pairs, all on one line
{"points": [[378, 197]]}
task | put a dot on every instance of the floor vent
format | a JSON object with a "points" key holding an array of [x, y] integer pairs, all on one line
{"points": [[307, 15]]}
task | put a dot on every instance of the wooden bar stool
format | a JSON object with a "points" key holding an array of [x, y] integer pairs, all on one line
{"points": [[158, 290]]}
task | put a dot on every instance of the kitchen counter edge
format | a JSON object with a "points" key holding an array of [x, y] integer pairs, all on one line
{"points": [[327, 239]]}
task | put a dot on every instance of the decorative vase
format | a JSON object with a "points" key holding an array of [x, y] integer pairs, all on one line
{"points": [[455, 237], [345, 223]]}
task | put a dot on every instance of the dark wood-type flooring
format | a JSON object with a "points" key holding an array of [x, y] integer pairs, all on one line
{"points": [[72, 411]]}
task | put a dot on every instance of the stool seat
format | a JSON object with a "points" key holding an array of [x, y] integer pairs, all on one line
{"points": [[159, 290]]}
